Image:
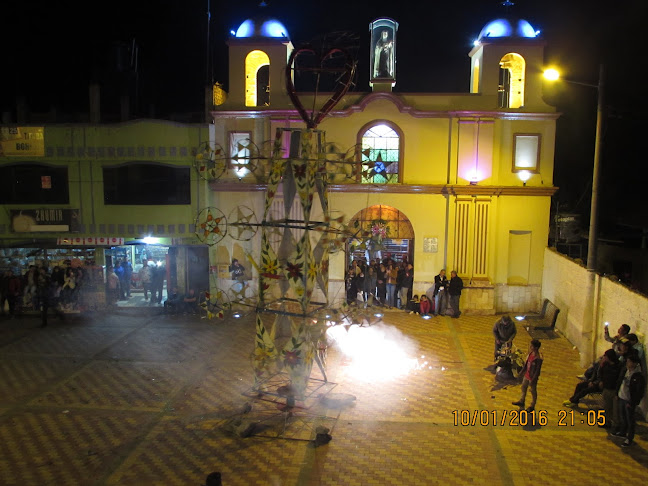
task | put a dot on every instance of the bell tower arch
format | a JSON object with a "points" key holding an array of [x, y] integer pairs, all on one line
{"points": [[258, 53]]}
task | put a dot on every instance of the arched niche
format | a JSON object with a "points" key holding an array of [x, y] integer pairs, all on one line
{"points": [[511, 85], [257, 84], [368, 223]]}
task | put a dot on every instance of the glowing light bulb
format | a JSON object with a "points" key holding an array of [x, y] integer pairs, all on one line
{"points": [[551, 74], [524, 176]]}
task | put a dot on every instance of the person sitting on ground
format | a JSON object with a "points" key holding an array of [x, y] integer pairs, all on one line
{"points": [[605, 379], [424, 305], [414, 305], [504, 331], [632, 387], [190, 302], [173, 301]]}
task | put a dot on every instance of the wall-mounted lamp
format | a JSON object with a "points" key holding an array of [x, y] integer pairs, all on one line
{"points": [[524, 176]]}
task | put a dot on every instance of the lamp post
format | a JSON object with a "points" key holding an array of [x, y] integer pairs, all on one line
{"points": [[592, 244]]}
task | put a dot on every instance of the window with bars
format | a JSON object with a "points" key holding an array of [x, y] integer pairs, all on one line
{"points": [[380, 154]]}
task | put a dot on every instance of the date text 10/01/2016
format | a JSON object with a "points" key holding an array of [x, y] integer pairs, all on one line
{"points": [[563, 418]]}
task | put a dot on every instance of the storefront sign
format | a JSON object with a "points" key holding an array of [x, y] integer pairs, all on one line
{"points": [[45, 220], [91, 241], [22, 142]]}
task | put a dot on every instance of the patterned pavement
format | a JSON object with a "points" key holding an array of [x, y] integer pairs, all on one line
{"points": [[136, 398]]}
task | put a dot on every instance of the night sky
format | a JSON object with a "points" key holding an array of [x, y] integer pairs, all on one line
{"points": [[53, 49]]}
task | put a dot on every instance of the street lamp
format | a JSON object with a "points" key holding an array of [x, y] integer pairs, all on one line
{"points": [[592, 246]]}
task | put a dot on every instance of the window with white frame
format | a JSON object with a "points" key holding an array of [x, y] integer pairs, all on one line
{"points": [[380, 154], [239, 149], [526, 152]]}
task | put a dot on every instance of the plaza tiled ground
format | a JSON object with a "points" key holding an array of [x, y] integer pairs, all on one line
{"points": [[138, 398]]}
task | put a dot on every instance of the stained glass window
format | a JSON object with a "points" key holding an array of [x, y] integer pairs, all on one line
{"points": [[380, 155]]}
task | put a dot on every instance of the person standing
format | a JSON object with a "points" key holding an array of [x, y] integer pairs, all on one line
{"points": [[454, 290], [128, 275], [369, 285], [406, 285], [145, 277], [112, 286], [43, 284], [440, 286], [351, 288], [14, 292], [623, 331], [381, 284], [391, 274], [119, 271], [157, 284], [530, 374], [631, 390], [4, 290]]}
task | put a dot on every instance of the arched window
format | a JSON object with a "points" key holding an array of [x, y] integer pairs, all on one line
{"points": [[511, 82], [257, 79], [380, 153]]}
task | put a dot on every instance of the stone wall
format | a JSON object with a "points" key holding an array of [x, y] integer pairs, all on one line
{"points": [[586, 301], [517, 298]]}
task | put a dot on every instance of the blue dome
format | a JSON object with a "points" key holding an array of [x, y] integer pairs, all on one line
{"points": [[508, 28], [266, 27]]}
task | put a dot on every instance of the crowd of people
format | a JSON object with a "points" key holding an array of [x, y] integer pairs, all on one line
{"points": [[380, 282], [619, 375], [389, 283], [119, 281], [41, 289], [58, 288]]}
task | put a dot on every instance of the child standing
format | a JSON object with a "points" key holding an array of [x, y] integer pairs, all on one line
{"points": [[530, 373]]}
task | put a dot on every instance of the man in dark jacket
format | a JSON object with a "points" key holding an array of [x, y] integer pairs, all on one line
{"points": [[530, 374], [406, 285], [440, 286], [454, 290], [14, 291], [632, 387], [605, 379], [504, 331]]}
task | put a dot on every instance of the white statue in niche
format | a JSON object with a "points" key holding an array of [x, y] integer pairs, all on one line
{"points": [[384, 56]]}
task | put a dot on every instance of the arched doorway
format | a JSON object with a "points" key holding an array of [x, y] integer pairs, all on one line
{"points": [[381, 232]]}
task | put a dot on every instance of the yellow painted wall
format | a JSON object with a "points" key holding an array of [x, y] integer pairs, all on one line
{"points": [[520, 213], [425, 212], [85, 170]]}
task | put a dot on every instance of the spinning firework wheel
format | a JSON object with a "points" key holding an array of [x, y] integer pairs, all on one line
{"points": [[210, 162], [211, 226]]}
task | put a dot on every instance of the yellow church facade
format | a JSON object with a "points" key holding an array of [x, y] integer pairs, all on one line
{"points": [[464, 181]]}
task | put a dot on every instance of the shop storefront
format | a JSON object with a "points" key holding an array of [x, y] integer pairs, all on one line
{"points": [[76, 263]]}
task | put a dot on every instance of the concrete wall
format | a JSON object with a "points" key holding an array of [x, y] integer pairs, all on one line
{"points": [[586, 301]]}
